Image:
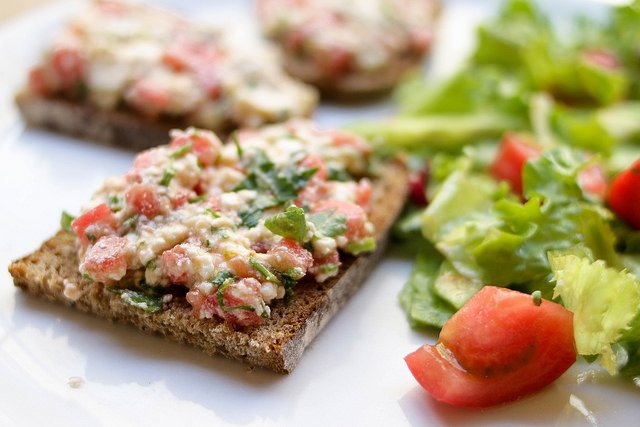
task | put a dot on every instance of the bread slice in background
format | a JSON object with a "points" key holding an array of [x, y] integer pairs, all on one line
{"points": [[52, 272]]}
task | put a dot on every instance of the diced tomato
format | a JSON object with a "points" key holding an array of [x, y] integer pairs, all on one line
{"points": [[146, 159], [602, 58], [69, 66], [94, 223], [320, 263], [176, 265], [337, 62], [364, 191], [204, 145], [356, 216], [593, 181], [342, 139], [288, 254], [313, 161], [38, 81], [421, 40], [106, 259], [148, 97], [238, 297], [497, 348], [241, 267], [144, 200], [515, 150], [418, 188], [624, 195]]}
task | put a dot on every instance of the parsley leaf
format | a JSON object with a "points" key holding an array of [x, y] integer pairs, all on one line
{"points": [[148, 302], [65, 221], [290, 224], [282, 182], [329, 223], [251, 216]]}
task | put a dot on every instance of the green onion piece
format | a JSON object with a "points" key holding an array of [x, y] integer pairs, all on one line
{"points": [[181, 151], [359, 246], [167, 177], [264, 271], [212, 213]]}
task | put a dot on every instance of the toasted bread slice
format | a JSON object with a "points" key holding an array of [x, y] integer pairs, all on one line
{"points": [[82, 120], [52, 272]]}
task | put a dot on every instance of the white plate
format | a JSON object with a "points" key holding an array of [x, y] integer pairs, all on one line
{"points": [[353, 374]]}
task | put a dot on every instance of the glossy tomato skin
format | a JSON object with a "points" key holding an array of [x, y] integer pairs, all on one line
{"points": [[514, 152], [100, 220], [498, 348], [624, 195]]}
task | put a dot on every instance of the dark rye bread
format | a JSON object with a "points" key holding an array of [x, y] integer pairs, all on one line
{"points": [[277, 345], [82, 120]]}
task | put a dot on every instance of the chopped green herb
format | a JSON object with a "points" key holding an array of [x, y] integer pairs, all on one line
{"points": [[359, 246], [87, 277], [148, 303], [212, 213], [90, 237], [262, 269], [290, 224], [282, 182], [130, 223], [220, 297], [220, 278], [296, 273], [251, 216], [115, 203], [329, 268], [151, 264], [336, 174], [329, 223], [207, 243], [236, 142], [181, 151], [66, 220], [197, 199], [167, 176]]}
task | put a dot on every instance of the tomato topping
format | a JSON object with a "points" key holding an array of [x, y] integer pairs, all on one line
{"points": [[313, 161], [497, 348], [176, 263], [624, 195], [203, 145], [356, 216], [515, 150], [38, 81], [364, 190], [68, 65], [238, 300], [337, 62], [106, 260], [288, 254], [144, 200], [148, 97], [94, 223]]}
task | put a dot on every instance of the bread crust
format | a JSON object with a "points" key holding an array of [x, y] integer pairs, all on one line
{"points": [[278, 344]]}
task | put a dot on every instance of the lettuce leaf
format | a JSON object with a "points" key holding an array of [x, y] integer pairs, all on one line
{"points": [[490, 238], [605, 303]]}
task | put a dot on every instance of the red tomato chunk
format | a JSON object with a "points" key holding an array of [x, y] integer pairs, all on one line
{"points": [[624, 195], [94, 224], [106, 260], [498, 348]]}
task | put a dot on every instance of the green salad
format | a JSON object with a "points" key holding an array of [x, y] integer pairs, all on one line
{"points": [[529, 178]]}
